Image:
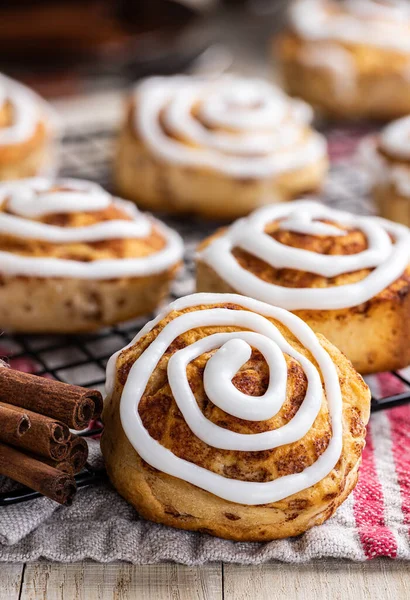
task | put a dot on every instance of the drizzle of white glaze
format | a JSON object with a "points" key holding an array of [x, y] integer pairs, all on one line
{"points": [[302, 222], [337, 61], [365, 22], [395, 138], [387, 258], [38, 197], [395, 141], [260, 333], [392, 10], [246, 128], [399, 175], [33, 198], [27, 111]]}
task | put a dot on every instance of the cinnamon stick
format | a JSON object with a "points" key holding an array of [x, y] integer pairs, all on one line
{"points": [[76, 458], [78, 453], [45, 437], [37, 475], [64, 466], [73, 405], [13, 425]]}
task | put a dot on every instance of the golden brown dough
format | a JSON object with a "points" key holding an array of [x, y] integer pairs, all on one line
{"points": [[172, 501], [189, 185], [40, 303], [388, 163], [373, 335], [391, 203], [60, 305], [28, 132], [343, 74]]}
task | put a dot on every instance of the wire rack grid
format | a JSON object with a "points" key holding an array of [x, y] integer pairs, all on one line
{"points": [[81, 359]]}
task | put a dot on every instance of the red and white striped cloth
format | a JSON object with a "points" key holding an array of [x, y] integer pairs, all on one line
{"points": [[381, 500]]}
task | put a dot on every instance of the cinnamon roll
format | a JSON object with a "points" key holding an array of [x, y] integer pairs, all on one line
{"points": [[73, 258], [349, 58], [216, 147], [229, 416], [345, 275], [28, 132], [387, 159]]}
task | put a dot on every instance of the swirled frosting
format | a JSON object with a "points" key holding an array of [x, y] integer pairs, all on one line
{"points": [[382, 23], [232, 351], [387, 255], [387, 155], [395, 139], [27, 110], [23, 203], [243, 127]]}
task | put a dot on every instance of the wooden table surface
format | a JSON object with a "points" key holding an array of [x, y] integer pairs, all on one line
{"points": [[327, 580]]}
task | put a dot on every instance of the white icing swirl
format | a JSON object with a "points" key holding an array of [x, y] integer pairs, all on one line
{"points": [[233, 351], [27, 110], [395, 138], [37, 197], [384, 23], [246, 128], [399, 175], [33, 198], [302, 222], [337, 61], [395, 141], [388, 259]]}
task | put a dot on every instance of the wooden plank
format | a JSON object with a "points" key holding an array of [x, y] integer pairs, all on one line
{"points": [[321, 580], [10, 581], [120, 581]]}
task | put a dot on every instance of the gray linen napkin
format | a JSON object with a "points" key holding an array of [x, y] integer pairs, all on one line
{"points": [[100, 525]]}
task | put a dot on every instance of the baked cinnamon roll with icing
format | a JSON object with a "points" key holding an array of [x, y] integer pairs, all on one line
{"points": [[229, 416], [73, 258], [216, 147], [346, 275], [387, 159], [349, 58], [28, 132]]}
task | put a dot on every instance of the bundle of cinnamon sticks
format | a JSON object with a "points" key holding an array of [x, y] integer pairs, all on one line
{"points": [[37, 448]]}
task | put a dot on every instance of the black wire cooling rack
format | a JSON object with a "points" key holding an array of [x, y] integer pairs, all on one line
{"points": [[81, 360]]}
